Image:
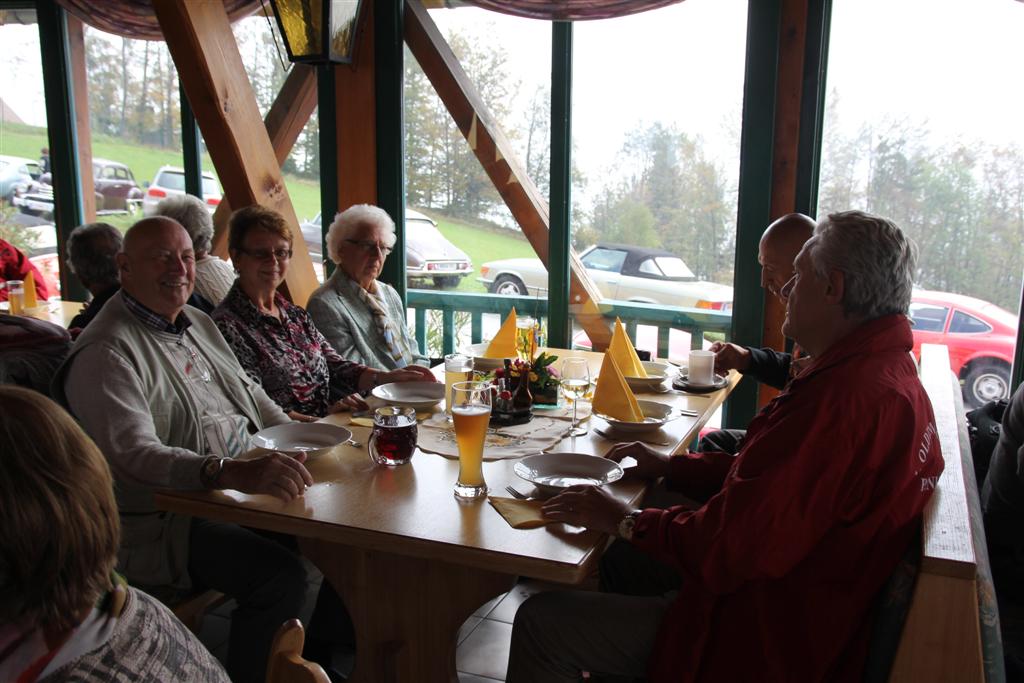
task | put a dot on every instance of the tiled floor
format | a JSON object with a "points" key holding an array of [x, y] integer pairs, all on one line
{"points": [[482, 654]]}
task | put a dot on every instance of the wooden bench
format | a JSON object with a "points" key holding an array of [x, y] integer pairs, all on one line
{"points": [[942, 637]]}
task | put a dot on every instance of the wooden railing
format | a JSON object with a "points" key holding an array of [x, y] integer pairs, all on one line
{"points": [[695, 321]]}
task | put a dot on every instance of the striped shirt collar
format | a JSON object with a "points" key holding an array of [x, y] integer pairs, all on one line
{"points": [[154, 320]]}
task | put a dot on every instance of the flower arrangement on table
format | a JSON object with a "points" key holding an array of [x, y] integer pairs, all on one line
{"points": [[543, 378]]}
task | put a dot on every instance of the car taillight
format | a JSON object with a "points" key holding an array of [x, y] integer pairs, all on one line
{"points": [[431, 266], [711, 305], [484, 270], [156, 192], [213, 201]]}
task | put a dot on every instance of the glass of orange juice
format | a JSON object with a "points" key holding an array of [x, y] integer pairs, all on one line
{"points": [[471, 411]]}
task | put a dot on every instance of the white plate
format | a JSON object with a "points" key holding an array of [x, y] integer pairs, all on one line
{"points": [[655, 415], [657, 373], [481, 363], [312, 438], [552, 472], [418, 395]]}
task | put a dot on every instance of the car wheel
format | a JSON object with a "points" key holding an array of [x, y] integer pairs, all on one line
{"points": [[986, 381], [446, 282], [508, 285]]}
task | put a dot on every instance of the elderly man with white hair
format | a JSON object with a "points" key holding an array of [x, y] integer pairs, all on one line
{"points": [[214, 276], [362, 317], [773, 578]]}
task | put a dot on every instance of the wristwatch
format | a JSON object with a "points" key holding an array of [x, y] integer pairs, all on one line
{"points": [[625, 529], [210, 471]]}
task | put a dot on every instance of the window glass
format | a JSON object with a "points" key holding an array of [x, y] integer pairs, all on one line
{"points": [[963, 323], [656, 160], [610, 260], [928, 318], [171, 180], [482, 248], [944, 159], [649, 267]]}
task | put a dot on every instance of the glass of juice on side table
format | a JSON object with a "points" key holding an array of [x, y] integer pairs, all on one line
{"points": [[457, 368], [471, 411]]}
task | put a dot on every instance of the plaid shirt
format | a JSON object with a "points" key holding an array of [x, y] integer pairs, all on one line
{"points": [[154, 320], [297, 367]]}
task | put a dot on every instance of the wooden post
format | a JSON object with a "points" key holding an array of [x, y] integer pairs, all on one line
{"points": [[198, 35], [80, 86], [284, 122]]}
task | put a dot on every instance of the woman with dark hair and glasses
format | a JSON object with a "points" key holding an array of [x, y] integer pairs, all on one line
{"points": [[274, 340], [363, 318]]}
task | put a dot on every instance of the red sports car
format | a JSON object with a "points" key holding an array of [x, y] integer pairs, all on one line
{"points": [[980, 336]]}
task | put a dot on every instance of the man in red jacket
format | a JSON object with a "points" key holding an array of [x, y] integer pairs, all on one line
{"points": [[776, 573]]}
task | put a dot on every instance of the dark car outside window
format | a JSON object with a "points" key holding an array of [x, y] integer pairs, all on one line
{"points": [[963, 323], [928, 317]]}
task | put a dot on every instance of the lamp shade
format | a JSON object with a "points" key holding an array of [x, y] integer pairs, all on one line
{"points": [[318, 31]]}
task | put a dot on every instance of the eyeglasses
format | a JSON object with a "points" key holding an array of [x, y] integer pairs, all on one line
{"points": [[267, 254], [370, 247], [196, 364]]}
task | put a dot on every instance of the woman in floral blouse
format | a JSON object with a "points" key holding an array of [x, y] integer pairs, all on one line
{"points": [[275, 341]]}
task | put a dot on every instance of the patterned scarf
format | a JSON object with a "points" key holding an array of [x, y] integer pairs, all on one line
{"points": [[397, 347]]}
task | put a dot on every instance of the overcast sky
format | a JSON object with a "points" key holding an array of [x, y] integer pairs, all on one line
{"points": [[954, 65]]}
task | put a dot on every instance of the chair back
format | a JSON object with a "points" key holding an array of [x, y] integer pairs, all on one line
{"points": [[286, 664]]}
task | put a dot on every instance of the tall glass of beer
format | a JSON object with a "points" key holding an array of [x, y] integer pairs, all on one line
{"points": [[471, 411], [457, 368], [526, 339]]}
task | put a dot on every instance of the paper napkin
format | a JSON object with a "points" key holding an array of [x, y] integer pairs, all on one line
{"points": [[612, 396], [30, 291], [621, 349], [504, 343], [520, 514]]}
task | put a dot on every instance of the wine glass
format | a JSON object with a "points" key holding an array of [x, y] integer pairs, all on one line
{"points": [[575, 382]]}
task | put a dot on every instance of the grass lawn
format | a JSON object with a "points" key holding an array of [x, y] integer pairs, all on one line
{"points": [[482, 244], [25, 141]]}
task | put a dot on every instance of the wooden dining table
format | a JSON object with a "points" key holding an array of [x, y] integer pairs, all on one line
{"points": [[411, 561]]}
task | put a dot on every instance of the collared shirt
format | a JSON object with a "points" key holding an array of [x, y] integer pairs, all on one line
{"points": [[153, 319], [296, 365]]}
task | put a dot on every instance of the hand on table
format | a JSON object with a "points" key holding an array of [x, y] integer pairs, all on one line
{"points": [[300, 417], [587, 506], [410, 373], [650, 464], [350, 402], [274, 473], [729, 356]]}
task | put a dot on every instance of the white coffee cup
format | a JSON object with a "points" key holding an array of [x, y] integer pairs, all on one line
{"points": [[702, 367]]}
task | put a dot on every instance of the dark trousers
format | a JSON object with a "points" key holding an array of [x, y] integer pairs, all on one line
{"points": [[268, 580], [722, 441]]}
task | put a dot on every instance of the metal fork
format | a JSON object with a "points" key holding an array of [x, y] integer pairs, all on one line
{"points": [[516, 494]]}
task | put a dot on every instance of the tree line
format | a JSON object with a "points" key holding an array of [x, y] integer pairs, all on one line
{"points": [[962, 203]]}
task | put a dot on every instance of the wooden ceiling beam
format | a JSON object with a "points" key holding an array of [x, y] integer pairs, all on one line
{"points": [[213, 76], [496, 155], [284, 122]]}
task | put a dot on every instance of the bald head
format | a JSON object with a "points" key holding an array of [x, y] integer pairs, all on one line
{"points": [[780, 244], [157, 265]]}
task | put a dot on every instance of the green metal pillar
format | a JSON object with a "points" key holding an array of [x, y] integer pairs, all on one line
{"points": [[191, 148], [559, 235], [327, 115], [755, 187], [812, 105], [389, 56], [68, 212]]}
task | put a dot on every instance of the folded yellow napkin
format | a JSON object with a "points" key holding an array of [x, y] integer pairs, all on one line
{"points": [[621, 349], [520, 514], [612, 396], [504, 343], [30, 291]]}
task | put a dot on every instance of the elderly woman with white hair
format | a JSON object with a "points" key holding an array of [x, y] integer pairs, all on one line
{"points": [[363, 318], [214, 276]]}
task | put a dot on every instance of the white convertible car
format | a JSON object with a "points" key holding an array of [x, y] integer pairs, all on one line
{"points": [[621, 272]]}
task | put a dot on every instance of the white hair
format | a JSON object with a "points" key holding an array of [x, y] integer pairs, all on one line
{"points": [[192, 214], [876, 258], [348, 221]]}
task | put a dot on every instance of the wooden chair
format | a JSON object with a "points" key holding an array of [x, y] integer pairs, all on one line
{"points": [[286, 664]]}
